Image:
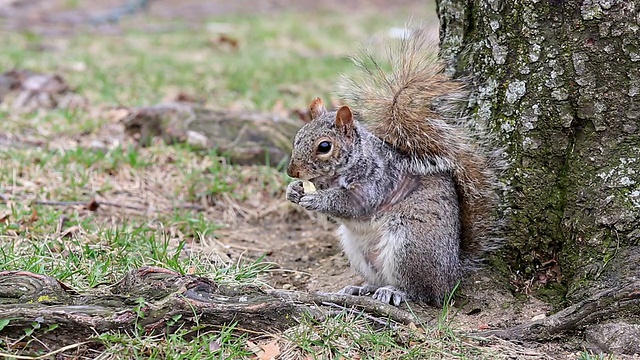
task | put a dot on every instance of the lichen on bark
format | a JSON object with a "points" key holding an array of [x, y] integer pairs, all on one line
{"points": [[558, 82]]}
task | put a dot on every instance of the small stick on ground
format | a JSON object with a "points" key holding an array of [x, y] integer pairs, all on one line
{"points": [[365, 303], [607, 304], [60, 226], [118, 13], [47, 355], [362, 313], [94, 204]]}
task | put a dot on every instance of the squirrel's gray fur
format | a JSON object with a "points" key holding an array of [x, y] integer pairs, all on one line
{"points": [[402, 173]]}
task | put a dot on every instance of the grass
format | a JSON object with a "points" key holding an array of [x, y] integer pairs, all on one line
{"points": [[281, 60]]}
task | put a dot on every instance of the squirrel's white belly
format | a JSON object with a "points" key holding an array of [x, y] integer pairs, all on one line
{"points": [[370, 247]]}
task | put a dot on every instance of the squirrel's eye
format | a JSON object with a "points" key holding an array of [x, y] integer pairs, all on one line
{"points": [[324, 147]]}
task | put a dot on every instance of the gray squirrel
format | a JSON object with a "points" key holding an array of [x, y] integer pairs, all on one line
{"points": [[410, 183]]}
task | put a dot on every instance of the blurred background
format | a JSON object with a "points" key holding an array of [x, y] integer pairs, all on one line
{"points": [[102, 106], [112, 117], [155, 133], [249, 53]]}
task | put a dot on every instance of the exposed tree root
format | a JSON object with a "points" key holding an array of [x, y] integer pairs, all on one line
{"points": [[159, 300], [245, 138], [622, 301]]}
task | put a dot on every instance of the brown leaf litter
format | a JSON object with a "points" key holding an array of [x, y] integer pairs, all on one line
{"points": [[26, 89]]}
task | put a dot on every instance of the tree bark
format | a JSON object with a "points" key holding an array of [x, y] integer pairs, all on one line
{"points": [[557, 82]]}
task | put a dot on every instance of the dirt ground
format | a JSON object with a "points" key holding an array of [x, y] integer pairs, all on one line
{"points": [[305, 252]]}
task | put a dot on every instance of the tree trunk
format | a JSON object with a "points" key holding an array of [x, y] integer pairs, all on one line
{"points": [[557, 81]]}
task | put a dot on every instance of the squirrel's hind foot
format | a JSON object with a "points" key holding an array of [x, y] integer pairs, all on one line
{"points": [[386, 294], [390, 295], [358, 290]]}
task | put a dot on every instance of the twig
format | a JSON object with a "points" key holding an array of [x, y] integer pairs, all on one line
{"points": [[190, 207], [60, 203], [118, 13], [244, 248], [94, 204], [606, 304], [235, 142], [366, 303], [361, 313], [124, 206], [61, 222], [88, 204], [62, 349]]}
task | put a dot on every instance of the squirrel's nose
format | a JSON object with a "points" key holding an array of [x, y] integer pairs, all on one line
{"points": [[292, 170]]}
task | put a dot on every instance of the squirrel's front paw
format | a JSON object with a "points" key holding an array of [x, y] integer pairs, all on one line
{"points": [[295, 191], [310, 201], [296, 194]]}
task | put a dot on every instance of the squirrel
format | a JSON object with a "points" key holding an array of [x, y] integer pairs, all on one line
{"points": [[406, 177]]}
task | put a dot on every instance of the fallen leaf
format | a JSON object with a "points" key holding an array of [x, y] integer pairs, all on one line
{"points": [[254, 348], [279, 109], [78, 66], [214, 345], [45, 83], [538, 317], [34, 216], [70, 231], [184, 97], [197, 139], [271, 350], [116, 116], [92, 205], [474, 311], [302, 114], [224, 39]]}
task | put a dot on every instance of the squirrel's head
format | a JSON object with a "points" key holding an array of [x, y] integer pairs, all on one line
{"points": [[324, 145]]}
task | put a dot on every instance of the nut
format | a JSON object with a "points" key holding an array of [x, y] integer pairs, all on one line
{"points": [[308, 187]]}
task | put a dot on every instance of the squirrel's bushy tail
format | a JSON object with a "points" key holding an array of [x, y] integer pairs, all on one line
{"points": [[417, 109]]}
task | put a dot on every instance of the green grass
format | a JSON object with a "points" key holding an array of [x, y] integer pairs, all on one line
{"points": [[585, 355], [283, 59], [190, 344]]}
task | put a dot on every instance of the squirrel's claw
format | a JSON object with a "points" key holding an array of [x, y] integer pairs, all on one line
{"points": [[295, 191], [390, 295], [358, 290], [386, 294], [296, 194], [309, 202]]}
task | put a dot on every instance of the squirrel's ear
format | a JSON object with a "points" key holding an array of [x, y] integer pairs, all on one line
{"points": [[317, 108], [344, 120]]}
